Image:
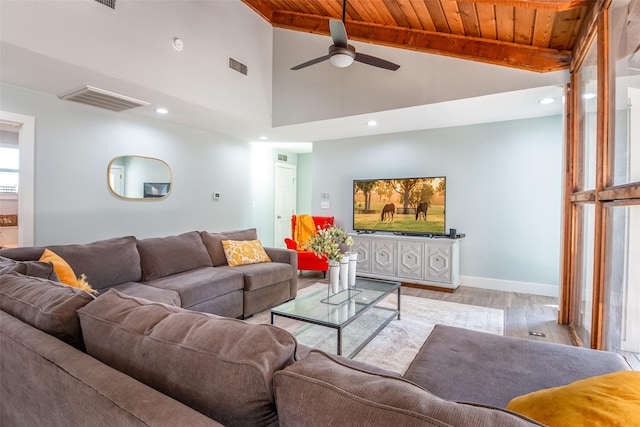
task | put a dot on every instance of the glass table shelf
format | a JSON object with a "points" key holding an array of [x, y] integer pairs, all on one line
{"points": [[354, 308]]}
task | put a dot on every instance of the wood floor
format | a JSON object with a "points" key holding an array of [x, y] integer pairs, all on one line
{"points": [[523, 313]]}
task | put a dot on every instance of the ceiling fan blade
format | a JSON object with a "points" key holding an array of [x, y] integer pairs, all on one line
{"points": [[376, 62], [308, 63], [338, 33]]}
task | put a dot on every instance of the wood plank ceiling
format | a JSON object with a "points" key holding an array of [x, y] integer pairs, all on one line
{"points": [[536, 35]]}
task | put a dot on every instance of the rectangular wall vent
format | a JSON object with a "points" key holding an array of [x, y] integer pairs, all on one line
{"points": [[102, 98], [108, 3], [238, 66], [282, 157]]}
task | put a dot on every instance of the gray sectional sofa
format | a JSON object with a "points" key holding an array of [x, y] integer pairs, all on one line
{"points": [[71, 359], [188, 271]]}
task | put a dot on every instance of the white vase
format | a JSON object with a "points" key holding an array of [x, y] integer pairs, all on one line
{"points": [[344, 273], [334, 274], [353, 262]]}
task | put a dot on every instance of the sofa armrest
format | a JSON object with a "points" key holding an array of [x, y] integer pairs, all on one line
{"points": [[287, 256]]}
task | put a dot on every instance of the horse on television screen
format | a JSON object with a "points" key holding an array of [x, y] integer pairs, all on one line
{"points": [[421, 211], [388, 211]]}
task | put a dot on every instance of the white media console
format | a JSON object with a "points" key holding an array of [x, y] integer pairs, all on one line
{"points": [[428, 261]]}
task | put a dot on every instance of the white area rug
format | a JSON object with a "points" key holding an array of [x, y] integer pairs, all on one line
{"points": [[397, 344]]}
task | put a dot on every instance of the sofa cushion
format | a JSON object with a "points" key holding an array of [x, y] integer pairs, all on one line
{"points": [[201, 284], [105, 263], [164, 256], [258, 276], [321, 388], [44, 304], [40, 269], [45, 382], [605, 400], [213, 242], [221, 367], [509, 366], [244, 252], [141, 290], [22, 253]]}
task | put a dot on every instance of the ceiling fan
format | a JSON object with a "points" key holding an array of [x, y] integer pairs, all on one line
{"points": [[341, 53]]}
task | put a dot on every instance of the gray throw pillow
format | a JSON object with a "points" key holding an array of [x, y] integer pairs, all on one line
{"points": [[219, 366]]}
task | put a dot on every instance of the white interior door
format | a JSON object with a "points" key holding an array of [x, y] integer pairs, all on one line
{"points": [[116, 179], [285, 202]]}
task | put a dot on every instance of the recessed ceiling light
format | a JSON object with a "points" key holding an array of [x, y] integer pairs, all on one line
{"points": [[161, 110], [263, 138], [177, 44], [372, 123], [589, 95], [545, 101]]}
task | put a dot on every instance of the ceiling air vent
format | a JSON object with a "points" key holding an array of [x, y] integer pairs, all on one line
{"points": [[282, 157], [103, 99], [108, 3], [238, 66]]}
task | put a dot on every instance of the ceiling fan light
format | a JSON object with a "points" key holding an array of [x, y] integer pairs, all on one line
{"points": [[341, 60]]}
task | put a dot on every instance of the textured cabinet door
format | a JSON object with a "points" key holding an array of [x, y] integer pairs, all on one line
{"points": [[438, 262], [362, 245], [383, 260], [417, 260], [410, 259]]}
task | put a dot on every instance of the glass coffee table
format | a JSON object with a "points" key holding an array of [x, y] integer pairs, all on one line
{"points": [[354, 315]]}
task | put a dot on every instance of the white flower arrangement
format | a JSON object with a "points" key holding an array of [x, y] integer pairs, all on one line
{"points": [[327, 242]]}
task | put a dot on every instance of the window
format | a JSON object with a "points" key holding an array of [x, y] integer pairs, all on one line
{"points": [[622, 281], [601, 292]]}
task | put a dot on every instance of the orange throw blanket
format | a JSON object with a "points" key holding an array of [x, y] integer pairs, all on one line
{"points": [[305, 228]]}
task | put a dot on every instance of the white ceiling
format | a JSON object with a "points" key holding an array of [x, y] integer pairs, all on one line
{"points": [[36, 66]]}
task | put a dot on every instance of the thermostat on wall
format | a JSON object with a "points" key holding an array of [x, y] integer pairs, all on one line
{"points": [[324, 200], [215, 195]]}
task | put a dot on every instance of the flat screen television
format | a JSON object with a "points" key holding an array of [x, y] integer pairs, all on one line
{"points": [[156, 189], [413, 206]]}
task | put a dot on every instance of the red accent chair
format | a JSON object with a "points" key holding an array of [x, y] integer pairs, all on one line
{"points": [[307, 260]]}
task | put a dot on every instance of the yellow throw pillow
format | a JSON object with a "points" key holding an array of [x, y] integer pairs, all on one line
{"points": [[605, 400], [65, 272], [242, 252]]}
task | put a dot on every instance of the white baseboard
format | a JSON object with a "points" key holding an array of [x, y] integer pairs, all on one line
{"points": [[510, 286]]}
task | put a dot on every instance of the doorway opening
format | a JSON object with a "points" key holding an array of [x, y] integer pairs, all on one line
{"points": [[24, 127]]}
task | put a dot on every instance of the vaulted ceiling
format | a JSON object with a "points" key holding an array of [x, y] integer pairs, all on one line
{"points": [[536, 35]]}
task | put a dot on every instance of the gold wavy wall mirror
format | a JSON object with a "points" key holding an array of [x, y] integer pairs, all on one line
{"points": [[139, 178]]}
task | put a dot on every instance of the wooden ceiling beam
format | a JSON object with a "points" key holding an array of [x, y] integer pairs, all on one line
{"points": [[489, 51], [552, 5]]}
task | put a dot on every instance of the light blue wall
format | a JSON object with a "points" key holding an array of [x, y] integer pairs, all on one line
{"points": [[504, 183], [75, 143]]}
